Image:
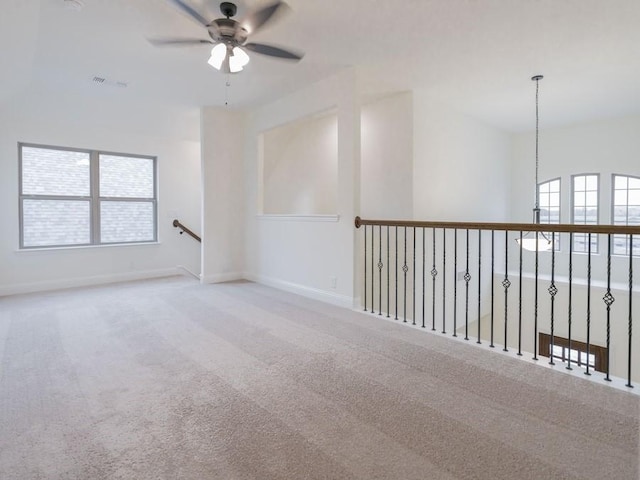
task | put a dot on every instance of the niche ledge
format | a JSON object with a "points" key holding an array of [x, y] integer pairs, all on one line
{"points": [[297, 217]]}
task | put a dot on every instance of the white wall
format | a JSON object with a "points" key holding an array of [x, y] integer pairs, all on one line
{"points": [[306, 254], [223, 194], [307, 151], [461, 166], [112, 124], [387, 158]]}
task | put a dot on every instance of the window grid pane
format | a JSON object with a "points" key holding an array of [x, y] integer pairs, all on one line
{"points": [[56, 222], [585, 210], [126, 177], [123, 222], [53, 172], [626, 211], [549, 203]]}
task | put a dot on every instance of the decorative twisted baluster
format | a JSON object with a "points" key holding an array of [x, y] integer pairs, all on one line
{"points": [[434, 274], [380, 265], [506, 283], [553, 290], [467, 279], [608, 301]]}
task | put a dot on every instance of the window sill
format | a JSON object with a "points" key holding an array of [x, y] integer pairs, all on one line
{"points": [[83, 247], [298, 218]]}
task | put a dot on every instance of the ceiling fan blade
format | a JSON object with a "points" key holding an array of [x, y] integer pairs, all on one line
{"points": [[177, 42], [191, 12], [273, 51], [256, 20]]}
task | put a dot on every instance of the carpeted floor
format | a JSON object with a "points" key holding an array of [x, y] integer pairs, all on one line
{"points": [[168, 379]]}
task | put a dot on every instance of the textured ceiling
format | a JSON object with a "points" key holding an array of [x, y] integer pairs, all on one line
{"points": [[475, 55]]}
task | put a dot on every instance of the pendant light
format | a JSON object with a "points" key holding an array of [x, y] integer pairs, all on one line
{"points": [[536, 241]]}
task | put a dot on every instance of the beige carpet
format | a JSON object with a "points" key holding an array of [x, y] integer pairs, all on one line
{"points": [[168, 379]]}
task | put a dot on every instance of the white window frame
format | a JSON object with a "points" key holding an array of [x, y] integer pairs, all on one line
{"points": [[636, 251], [94, 197], [594, 237]]}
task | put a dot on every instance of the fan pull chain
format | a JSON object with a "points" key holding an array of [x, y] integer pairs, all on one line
{"points": [[227, 84]]}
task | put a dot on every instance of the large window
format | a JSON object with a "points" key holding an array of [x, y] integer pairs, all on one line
{"points": [[626, 211], [549, 203], [585, 210], [84, 197]]}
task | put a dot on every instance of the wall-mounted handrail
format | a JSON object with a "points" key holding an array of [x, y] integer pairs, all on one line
{"points": [[183, 229]]}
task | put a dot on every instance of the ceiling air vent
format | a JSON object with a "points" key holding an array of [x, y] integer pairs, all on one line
{"points": [[74, 5], [107, 82]]}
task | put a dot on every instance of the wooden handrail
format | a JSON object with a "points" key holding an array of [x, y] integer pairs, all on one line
{"points": [[177, 224], [515, 227]]}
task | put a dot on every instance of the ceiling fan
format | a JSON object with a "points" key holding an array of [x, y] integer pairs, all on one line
{"points": [[229, 36]]}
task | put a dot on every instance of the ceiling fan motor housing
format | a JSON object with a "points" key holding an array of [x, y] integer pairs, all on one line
{"points": [[228, 9]]}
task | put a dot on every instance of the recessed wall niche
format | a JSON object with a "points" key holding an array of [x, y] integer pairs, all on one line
{"points": [[299, 165]]}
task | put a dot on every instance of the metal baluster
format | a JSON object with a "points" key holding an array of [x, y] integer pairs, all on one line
{"points": [[492, 282], [455, 281], [380, 265], [434, 274], [520, 299], [365, 268], [608, 301], [535, 302], [630, 308], [553, 290], [479, 279], [570, 292], [467, 278], [424, 275], [396, 273], [506, 283], [405, 269], [373, 298], [388, 274], [413, 297], [444, 277], [587, 372]]}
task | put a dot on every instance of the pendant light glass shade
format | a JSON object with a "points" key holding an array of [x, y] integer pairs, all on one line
{"points": [[538, 241], [218, 54], [238, 60], [233, 60]]}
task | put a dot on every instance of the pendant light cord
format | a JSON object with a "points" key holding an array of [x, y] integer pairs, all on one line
{"points": [[536, 210], [537, 136]]}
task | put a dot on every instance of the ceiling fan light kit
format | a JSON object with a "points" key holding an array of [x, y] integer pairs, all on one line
{"points": [[229, 36]]}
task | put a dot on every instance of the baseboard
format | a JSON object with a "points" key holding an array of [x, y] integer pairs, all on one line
{"points": [[309, 292], [60, 284], [221, 277], [187, 271]]}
